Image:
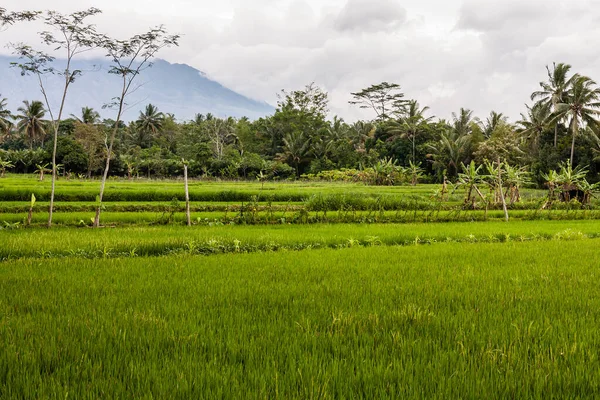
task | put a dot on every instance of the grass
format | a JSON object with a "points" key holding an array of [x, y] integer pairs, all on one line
{"points": [[165, 240], [504, 320], [19, 188], [378, 304]]}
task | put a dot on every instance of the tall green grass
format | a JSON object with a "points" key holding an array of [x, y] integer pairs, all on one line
{"points": [[506, 320], [165, 240]]}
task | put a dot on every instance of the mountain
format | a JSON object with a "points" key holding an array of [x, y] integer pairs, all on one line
{"points": [[173, 88]]}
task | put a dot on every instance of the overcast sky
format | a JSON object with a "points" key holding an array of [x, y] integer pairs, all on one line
{"points": [[447, 54]]}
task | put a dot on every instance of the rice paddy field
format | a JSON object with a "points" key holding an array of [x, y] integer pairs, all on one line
{"points": [[295, 290]]}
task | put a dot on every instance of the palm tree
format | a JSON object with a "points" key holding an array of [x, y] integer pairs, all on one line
{"points": [[580, 107], [30, 121], [150, 120], [449, 151], [556, 90], [535, 122], [88, 116], [5, 119], [463, 121], [410, 125], [295, 148], [492, 122]]}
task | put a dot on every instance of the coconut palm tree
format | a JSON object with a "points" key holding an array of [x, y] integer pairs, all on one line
{"points": [[462, 121], [410, 125], [5, 119], [88, 116], [556, 90], [295, 149], [580, 108], [491, 123], [150, 120], [533, 124], [30, 121], [449, 151]]}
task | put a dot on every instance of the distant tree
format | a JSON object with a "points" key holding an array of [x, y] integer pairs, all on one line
{"points": [[9, 18], [555, 91], [449, 151], [410, 125], [491, 123], [31, 123], [296, 147], [580, 108], [384, 98], [92, 139], [72, 36], [89, 116], [535, 122], [129, 59], [150, 120], [463, 121], [5, 120]]}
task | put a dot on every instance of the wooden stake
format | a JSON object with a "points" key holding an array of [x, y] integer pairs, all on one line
{"points": [[502, 190], [187, 193]]}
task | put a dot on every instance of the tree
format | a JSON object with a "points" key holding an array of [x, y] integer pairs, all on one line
{"points": [[129, 59], [410, 125], [72, 36], [5, 119], [580, 107], [31, 123], [89, 116], [9, 18], [463, 122], [449, 151], [555, 91], [295, 149], [492, 122], [534, 123], [150, 120], [384, 98], [91, 138]]}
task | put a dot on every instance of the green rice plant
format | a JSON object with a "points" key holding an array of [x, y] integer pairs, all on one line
{"points": [[365, 322]]}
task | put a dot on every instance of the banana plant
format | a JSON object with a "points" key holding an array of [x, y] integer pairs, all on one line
{"points": [[415, 172], [516, 178], [552, 180], [571, 179], [470, 179], [41, 170], [4, 165]]}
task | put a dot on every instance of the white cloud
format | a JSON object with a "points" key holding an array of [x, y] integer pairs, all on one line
{"points": [[479, 54]]}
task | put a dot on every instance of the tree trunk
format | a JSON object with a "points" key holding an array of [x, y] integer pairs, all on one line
{"points": [[502, 191], [187, 195], [555, 135], [109, 154], [575, 129]]}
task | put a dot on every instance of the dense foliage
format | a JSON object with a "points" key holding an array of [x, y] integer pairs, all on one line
{"points": [[302, 140]]}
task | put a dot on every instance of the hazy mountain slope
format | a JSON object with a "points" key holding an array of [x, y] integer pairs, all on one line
{"points": [[173, 88]]}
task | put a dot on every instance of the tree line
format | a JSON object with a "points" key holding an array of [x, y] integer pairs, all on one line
{"points": [[300, 140]]}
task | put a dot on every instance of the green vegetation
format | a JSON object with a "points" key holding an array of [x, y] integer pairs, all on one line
{"points": [[406, 256], [444, 321]]}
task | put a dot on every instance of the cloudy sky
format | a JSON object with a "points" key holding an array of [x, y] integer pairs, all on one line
{"points": [[447, 54]]}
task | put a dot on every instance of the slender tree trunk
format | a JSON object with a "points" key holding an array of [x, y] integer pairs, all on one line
{"points": [[108, 155], [56, 126], [575, 129], [502, 191], [555, 135], [187, 195]]}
